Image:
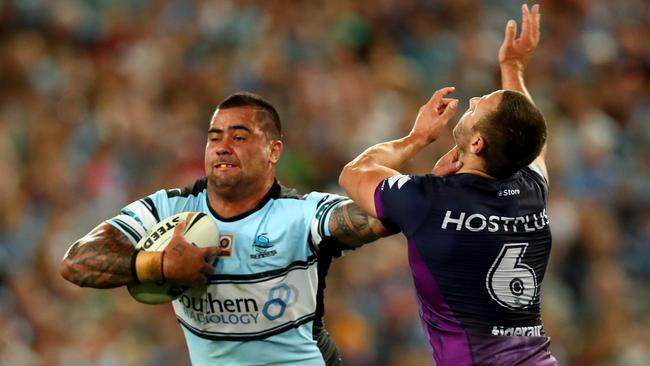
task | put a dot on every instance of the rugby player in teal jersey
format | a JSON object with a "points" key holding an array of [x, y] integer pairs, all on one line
{"points": [[264, 298]]}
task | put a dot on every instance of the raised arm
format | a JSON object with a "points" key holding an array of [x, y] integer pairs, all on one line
{"points": [[514, 55], [362, 175]]}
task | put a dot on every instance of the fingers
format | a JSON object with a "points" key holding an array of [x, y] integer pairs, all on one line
{"points": [[439, 102], [454, 153], [525, 21], [207, 269], [180, 228], [450, 109], [185, 263], [455, 156], [449, 156], [211, 251], [436, 98], [448, 164], [444, 103], [434, 115], [530, 25], [534, 24], [444, 91], [511, 32], [529, 36]]}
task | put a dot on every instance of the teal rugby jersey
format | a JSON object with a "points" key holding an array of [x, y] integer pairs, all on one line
{"points": [[266, 292]]}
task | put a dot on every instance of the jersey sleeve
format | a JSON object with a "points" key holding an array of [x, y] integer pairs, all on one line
{"points": [[400, 201], [534, 173], [535, 168], [138, 217], [319, 218]]}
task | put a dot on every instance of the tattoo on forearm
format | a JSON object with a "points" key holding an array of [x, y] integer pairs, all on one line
{"points": [[351, 225], [101, 259]]}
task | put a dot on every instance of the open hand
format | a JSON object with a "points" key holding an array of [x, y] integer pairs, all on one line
{"points": [[516, 51]]}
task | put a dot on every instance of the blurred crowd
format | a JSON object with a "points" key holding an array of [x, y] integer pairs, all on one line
{"points": [[103, 102]]}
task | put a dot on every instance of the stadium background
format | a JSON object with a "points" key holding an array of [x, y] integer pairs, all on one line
{"points": [[102, 102]]}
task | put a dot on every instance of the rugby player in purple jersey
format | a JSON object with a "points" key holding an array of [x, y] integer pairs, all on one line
{"points": [[477, 229]]}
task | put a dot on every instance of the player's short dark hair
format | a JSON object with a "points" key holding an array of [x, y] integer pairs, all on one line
{"points": [[267, 113], [514, 134]]}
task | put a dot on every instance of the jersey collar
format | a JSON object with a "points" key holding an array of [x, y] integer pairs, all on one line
{"points": [[274, 192]]}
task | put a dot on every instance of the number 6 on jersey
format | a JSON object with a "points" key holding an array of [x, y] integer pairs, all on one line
{"points": [[510, 282]]}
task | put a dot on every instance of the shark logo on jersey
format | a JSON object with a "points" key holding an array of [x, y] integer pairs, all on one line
{"points": [[263, 247], [399, 179]]}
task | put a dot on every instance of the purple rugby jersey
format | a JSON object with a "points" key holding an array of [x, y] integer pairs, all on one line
{"points": [[478, 250]]}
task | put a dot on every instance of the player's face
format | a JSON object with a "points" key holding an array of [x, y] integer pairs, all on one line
{"points": [[238, 154], [479, 107]]}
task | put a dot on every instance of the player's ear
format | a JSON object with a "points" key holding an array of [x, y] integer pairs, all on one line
{"points": [[276, 149], [477, 144]]}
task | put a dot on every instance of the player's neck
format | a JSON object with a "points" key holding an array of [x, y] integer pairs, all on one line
{"points": [[474, 166], [241, 201], [475, 172]]}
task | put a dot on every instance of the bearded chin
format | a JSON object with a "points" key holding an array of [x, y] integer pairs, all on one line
{"points": [[458, 138], [221, 182], [455, 133]]}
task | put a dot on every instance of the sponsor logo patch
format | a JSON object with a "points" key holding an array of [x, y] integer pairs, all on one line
{"points": [[226, 243], [211, 308], [532, 331]]}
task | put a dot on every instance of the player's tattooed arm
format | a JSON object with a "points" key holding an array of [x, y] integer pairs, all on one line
{"points": [[101, 259], [353, 226]]}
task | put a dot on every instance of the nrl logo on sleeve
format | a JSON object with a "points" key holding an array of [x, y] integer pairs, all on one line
{"points": [[399, 179]]}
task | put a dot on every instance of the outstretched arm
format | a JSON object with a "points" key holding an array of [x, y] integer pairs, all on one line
{"points": [[354, 227], [361, 176], [514, 55]]}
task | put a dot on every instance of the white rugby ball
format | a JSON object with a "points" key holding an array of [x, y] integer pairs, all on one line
{"points": [[200, 230]]}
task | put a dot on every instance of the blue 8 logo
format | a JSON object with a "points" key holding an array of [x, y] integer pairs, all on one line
{"points": [[276, 305]]}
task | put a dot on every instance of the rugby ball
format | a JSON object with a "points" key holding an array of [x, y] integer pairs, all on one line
{"points": [[200, 230]]}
